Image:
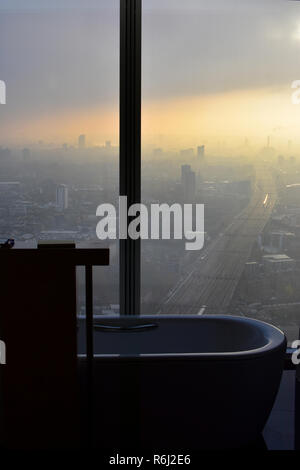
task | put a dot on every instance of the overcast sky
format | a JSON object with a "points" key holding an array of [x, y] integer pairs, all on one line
{"points": [[218, 45], [58, 56]]}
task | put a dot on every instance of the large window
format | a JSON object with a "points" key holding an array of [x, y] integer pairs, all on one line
{"points": [[59, 145], [220, 128]]}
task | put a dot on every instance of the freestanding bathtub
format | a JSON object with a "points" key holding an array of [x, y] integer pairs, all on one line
{"points": [[184, 382]]}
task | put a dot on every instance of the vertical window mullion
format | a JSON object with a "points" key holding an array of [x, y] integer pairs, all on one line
{"points": [[130, 147]]}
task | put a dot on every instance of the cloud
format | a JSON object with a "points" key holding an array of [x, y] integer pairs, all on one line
{"points": [[216, 46]]}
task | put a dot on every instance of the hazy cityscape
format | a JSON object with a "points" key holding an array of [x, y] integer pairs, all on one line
{"points": [[150, 347], [218, 128], [250, 261]]}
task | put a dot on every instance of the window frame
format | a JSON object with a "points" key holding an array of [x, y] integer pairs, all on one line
{"points": [[130, 148], [130, 153]]}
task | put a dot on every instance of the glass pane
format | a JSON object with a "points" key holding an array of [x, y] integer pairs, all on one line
{"points": [[59, 127], [221, 128]]}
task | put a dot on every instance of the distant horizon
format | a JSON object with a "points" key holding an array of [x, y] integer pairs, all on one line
{"points": [[154, 153]]}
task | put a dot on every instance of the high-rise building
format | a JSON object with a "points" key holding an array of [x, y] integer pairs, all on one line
{"points": [[188, 183], [62, 197], [201, 152], [81, 142]]}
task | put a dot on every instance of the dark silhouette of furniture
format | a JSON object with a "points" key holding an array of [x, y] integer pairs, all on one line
{"points": [[39, 383]]}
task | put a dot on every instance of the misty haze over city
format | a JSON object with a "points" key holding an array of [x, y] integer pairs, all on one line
{"points": [[218, 128]]}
